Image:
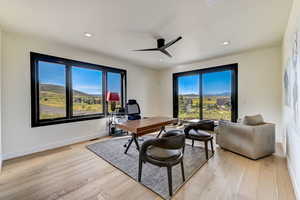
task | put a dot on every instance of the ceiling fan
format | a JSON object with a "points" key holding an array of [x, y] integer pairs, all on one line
{"points": [[161, 46]]}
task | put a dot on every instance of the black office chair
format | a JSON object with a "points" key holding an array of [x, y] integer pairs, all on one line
{"points": [[133, 110], [166, 151]]}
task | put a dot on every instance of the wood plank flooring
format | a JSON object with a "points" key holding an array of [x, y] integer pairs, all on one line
{"points": [[73, 172]]}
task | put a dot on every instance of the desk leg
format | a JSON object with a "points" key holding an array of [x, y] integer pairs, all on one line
{"points": [[129, 144], [163, 129], [136, 143], [133, 138]]}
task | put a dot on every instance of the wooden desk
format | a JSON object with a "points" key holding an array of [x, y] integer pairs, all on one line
{"points": [[144, 126]]}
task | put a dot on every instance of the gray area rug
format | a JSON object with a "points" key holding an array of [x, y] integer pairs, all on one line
{"points": [[153, 177]]}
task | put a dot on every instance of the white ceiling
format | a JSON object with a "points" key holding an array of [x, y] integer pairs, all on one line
{"points": [[124, 25]]}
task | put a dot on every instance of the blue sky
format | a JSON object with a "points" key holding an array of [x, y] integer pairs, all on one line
{"points": [[213, 83], [84, 80], [188, 84], [113, 81], [87, 80], [52, 73]]}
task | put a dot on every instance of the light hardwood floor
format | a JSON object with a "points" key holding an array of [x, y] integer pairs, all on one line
{"points": [[73, 172]]}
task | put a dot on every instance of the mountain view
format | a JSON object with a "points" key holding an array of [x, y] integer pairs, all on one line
{"points": [[216, 92]]}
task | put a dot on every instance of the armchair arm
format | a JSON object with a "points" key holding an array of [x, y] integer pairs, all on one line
{"points": [[193, 126], [203, 125], [173, 133], [264, 137]]}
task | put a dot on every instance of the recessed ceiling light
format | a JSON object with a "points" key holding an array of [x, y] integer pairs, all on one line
{"points": [[226, 43], [88, 34]]}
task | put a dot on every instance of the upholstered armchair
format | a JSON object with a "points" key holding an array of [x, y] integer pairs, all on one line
{"points": [[166, 151], [253, 138]]}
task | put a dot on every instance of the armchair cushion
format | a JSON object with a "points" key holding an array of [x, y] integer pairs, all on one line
{"points": [[162, 154]]}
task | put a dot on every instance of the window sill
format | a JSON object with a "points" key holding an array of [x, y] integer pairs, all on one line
{"points": [[63, 121]]}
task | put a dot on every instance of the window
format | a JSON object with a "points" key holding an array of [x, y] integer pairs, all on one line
{"points": [[86, 91], [216, 87], [52, 90], [64, 90], [114, 84], [206, 94], [188, 97]]}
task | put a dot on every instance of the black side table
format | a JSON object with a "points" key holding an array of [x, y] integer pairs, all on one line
{"points": [[113, 118]]}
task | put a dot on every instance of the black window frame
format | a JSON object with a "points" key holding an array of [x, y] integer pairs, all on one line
{"points": [[35, 113], [234, 88]]}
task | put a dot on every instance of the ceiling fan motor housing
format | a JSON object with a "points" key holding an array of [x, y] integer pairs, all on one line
{"points": [[160, 42]]}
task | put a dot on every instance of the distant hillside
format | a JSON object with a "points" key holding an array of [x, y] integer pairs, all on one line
{"points": [[196, 95], [61, 90], [220, 94]]}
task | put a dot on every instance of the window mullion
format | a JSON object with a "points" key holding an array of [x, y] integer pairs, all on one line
{"points": [[69, 95], [175, 97], [122, 89], [125, 89], [35, 93], [201, 96], [234, 106], [104, 92]]}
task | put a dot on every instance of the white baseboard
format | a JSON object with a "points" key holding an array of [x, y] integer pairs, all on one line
{"points": [[50, 146], [294, 180]]}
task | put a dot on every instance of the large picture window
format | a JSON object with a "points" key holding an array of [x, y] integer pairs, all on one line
{"points": [[64, 90], [209, 93]]}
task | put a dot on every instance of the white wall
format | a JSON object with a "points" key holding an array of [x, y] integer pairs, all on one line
{"points": [[18, 136], [291, 127], [259, 83]]}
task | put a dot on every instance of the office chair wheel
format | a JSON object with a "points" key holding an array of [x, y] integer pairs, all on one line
{"points": [[125, 145]]}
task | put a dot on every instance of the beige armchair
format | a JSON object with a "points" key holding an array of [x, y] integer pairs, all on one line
{"points": [[253, 141]]}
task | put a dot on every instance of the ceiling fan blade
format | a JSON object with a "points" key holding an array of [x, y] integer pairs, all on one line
{"points": [[172, 42], [166, 52], [153, 49]]}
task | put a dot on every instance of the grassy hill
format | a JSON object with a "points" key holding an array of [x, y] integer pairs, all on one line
{"points": [[62, 90], [189, 107], [53, 102]]}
